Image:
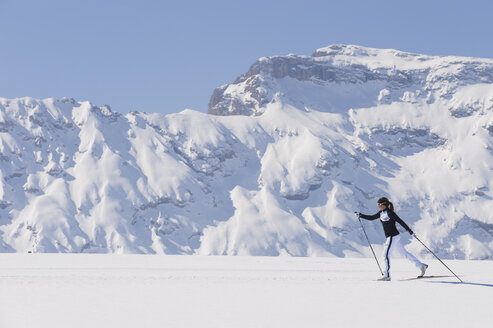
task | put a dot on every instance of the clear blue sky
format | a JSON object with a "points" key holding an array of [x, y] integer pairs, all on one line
{"points": [[165, 56]]}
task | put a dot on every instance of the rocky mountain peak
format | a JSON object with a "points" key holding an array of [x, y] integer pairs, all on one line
{"points": [[339, 74]]}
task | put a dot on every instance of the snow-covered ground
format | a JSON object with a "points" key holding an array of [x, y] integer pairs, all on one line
{"points": [[87, 290]]}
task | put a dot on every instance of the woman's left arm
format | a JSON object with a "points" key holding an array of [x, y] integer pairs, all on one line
{"points": [[394, 216]]}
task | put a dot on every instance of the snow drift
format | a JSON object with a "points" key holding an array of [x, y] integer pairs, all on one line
{"points": [[296, 145]]}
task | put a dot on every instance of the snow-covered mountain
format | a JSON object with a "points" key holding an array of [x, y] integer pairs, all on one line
{"points": [[296, 146]]}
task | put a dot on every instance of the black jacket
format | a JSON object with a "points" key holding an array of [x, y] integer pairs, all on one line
{"points": [[388, 219]]}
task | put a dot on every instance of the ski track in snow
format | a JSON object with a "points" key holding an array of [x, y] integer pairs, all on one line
{"points": [[60, 290]]}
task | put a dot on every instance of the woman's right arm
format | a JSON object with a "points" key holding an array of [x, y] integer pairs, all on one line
{"points": [[369, 217]]}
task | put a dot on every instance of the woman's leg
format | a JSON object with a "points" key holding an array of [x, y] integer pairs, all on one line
{"points": [[406, 254], [387, 251]]}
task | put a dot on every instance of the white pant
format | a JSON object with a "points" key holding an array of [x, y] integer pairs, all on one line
{"points": [[395, 243]]}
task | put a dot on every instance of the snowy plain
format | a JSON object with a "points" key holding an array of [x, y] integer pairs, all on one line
{"points": [[94, 290]]}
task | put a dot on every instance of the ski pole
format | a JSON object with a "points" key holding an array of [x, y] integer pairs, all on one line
{"points": [[437, 258], [369, 243]]}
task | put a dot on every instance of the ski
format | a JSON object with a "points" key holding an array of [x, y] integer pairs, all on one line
{"points": [[426, 277]]}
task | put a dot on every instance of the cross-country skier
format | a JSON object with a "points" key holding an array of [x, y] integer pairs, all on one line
{"points": [[388, 218]]}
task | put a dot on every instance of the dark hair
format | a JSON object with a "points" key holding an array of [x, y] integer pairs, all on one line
{"points": [[385, 201]]}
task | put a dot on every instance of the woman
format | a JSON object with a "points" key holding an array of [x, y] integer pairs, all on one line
{"points": [[388, 218]]}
